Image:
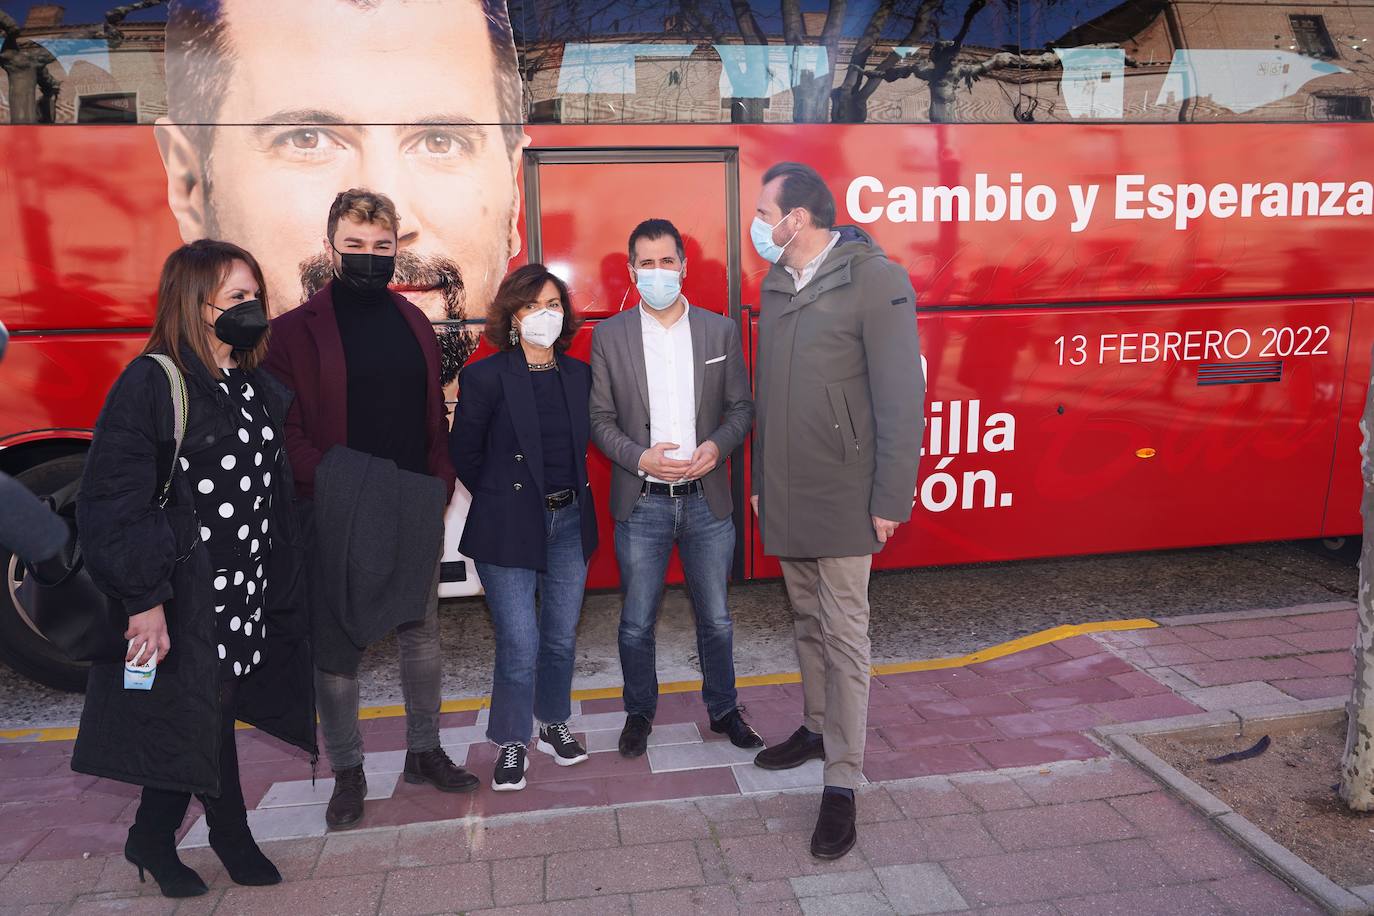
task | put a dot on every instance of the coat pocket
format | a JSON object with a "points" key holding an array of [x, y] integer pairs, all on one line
{"points": [[842, 423]]}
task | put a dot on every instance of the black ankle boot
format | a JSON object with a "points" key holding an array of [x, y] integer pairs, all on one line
{"points": [[159, 856], [242, 858]]}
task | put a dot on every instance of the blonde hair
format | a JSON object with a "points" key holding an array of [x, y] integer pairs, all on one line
{"points": [[363, 206]]}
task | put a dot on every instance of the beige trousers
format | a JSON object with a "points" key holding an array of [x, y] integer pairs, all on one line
{"points": [[829, 599]]}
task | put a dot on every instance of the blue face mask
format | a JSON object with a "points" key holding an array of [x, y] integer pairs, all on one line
{"points": [[658, 286], [761, 234]]}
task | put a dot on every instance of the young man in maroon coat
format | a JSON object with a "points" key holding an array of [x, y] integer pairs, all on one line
{"points": [[364, 364]]}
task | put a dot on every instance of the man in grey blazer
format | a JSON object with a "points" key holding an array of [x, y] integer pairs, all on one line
{"points": [[670, 402]]}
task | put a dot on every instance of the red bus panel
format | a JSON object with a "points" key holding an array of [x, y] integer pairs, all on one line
{"points": [[1068, 431]]}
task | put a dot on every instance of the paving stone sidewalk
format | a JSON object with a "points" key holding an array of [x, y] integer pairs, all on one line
{"points": [[985, 792], [1095, 837]]}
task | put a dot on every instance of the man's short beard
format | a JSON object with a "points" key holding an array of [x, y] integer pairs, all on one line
{"points": [[456, 342]]}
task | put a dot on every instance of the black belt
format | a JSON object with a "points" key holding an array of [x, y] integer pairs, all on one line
{"points": [[560, 499], [671, 489]]}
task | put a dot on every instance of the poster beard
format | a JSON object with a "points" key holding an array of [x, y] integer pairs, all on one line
{"points": [[416, 274]]}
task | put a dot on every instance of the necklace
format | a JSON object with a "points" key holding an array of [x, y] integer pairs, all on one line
{"points": [[542, 367]]}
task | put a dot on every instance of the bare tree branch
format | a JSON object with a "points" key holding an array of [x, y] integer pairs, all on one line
{"points": [[793, 24], [115, 17], [999, 61], [834, 21], [748, 25], [851, 100], [9, 27], [925, 18], [111, 32], [850, 103], [1004, 60], [691, 12]]}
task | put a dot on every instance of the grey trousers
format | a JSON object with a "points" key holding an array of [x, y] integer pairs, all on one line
{"points": [[336, 695], [829, 598]]}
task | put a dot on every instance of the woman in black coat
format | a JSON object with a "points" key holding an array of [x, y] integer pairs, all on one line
{"points": [[207, 580], [519, 444]]}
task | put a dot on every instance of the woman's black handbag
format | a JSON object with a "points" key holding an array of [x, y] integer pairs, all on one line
{"points": [[58, 594]]}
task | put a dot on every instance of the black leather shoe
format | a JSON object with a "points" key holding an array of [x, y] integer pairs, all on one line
{"points": [[346, 804], [242, 858], [435, 768], [634, 737], [741, 735], [801, 747], [835, 833], [159, 856]]}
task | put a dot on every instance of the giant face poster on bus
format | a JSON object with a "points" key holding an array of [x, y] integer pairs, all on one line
{"points": [[417, 100]]}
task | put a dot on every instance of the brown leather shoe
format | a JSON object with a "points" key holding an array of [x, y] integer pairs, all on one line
{"points": [[796, 750], [435, 768], [835, 833], [346, 804]]}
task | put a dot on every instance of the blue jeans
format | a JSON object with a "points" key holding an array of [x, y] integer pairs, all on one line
{"points": [[643, 545], [535, 647]]}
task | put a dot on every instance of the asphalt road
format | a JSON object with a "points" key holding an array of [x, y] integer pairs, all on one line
{"points": [[917, 614]]}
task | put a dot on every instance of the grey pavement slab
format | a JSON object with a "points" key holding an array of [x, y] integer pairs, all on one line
{"points": [[608, 739], [1236, 696], [287, 823], [920, 888], [862, 903], [303, 792], [698, 756]]}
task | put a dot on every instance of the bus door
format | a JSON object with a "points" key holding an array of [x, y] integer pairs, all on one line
{"points": [[580, 207]]}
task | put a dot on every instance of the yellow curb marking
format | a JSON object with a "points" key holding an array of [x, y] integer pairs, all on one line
{"points": [[1044, 637]]}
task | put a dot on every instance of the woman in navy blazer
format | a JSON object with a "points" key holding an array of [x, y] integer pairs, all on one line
{"points": [[519, 444]]}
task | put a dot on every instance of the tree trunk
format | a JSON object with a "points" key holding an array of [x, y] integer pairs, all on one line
{"points": [[942, 90], [23, 95], [811, 98], [848, 107], [1357, 766]]}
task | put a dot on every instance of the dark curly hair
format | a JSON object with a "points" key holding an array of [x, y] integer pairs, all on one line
{"points": [[521, 287]]}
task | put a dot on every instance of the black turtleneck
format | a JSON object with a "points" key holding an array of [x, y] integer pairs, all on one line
{"points": [[386, 378]]}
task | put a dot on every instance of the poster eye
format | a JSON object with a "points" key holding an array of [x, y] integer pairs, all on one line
{"points": [[304, 139]]}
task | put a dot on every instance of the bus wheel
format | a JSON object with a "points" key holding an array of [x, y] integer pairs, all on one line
{"points": [[1345, 551], [21, 646]]}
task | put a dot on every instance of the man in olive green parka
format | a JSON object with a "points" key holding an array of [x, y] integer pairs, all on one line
{"points": [[839, 395]]}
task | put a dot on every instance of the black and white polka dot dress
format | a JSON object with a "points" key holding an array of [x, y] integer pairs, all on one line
{"points": [[233, 487]]}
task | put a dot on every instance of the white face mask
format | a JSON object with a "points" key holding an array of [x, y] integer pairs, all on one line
{"points": [[543, 327], [659, 287], [761, 234]]}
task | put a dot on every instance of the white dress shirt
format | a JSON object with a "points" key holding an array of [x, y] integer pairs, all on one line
{"points": [[807, 273], [672, 391]]}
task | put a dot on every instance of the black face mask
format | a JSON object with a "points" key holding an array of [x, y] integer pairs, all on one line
{"points": [[366, 272], [241, 326]]}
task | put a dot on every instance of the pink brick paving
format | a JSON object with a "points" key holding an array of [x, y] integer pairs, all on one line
{"points": [[985, 793]]}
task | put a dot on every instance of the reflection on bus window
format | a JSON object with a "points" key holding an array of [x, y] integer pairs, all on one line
{"points": [[789, 61], [1093, 81], [608, 69], [1227, 60], [1240, 81], [763, 71]]}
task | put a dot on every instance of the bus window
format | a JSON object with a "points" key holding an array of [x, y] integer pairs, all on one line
{"points": [[1143, 60]]}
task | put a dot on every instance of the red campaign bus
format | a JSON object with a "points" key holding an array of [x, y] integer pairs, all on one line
{"points": [[1144, 308]]}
